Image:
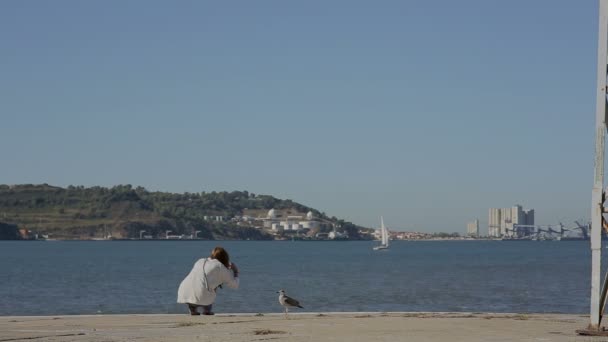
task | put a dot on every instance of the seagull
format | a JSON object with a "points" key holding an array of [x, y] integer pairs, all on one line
{"points": [[287, 301]]}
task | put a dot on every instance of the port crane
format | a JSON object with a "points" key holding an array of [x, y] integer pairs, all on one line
{"points": [[584, 229], [547, 232], [561, 230]]}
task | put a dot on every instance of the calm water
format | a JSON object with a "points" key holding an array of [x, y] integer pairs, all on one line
{"points": [[88, 277]]}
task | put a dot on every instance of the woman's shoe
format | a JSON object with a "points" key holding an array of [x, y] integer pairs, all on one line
{"points": [[193, 310], [207, 309]]}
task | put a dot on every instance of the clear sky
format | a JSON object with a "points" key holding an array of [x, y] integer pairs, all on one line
{"points": [[425, 112]]}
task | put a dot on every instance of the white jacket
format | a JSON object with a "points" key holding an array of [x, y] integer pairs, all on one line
{"points": [[199, 285]]}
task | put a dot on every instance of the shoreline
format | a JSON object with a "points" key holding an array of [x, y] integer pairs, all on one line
{"points": [[319, 326], [290, 240]]}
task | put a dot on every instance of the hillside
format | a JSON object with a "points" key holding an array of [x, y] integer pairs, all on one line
{"points": [[124, 212]]}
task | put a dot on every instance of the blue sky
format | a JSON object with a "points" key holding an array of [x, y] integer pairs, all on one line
{"points": [[425, 112]]}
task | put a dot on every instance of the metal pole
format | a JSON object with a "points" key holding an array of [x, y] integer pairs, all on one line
{"points": [[598, 184]]}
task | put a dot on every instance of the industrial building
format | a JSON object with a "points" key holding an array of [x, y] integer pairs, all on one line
{"points": [[277, 224], [502, 220]]}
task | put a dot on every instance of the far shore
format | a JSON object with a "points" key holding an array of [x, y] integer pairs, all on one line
{"points": [[295, 240], [326, 326]]}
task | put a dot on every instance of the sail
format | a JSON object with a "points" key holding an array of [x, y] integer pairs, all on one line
{"points": [[384, 236], [384, 232]]}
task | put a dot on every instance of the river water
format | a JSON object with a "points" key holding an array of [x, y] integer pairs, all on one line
{"points": [[91, 277]]}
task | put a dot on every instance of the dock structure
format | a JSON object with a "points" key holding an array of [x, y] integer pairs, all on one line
{"points": [[598, 294]]}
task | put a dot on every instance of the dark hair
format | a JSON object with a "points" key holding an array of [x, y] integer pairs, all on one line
{"points": [[221, 255]]}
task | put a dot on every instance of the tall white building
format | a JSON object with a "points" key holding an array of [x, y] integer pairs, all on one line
{"points": [[501, 220], [473, 228]]}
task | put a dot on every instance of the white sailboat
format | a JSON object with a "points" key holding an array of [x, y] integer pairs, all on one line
{"points": [[384, 240]]}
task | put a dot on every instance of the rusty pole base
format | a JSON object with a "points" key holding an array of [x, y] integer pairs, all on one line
{"points": [[592, 331]]}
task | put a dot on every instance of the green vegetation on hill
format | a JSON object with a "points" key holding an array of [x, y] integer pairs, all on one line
{"points": [[77, 212]]}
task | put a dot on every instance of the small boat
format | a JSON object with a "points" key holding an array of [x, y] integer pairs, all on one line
{"points": [[384, 240]]}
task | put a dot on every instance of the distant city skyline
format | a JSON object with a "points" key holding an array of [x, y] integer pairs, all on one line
{"points": [[427, 114]]}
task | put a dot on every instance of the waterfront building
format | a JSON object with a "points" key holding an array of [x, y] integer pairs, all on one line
{"points": [[293, 223], [473, 228], [502, 220]]}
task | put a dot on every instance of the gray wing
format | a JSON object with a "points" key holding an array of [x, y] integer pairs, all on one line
{"points": [[292, 301]]}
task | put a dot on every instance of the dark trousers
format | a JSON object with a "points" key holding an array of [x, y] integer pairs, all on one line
{"points": [[194, 309]]}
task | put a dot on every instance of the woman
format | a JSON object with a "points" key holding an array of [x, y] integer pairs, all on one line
{"points": [[199, 286]]}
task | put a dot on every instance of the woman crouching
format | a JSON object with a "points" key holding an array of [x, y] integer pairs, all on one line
{"points": [[207, 274]]}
